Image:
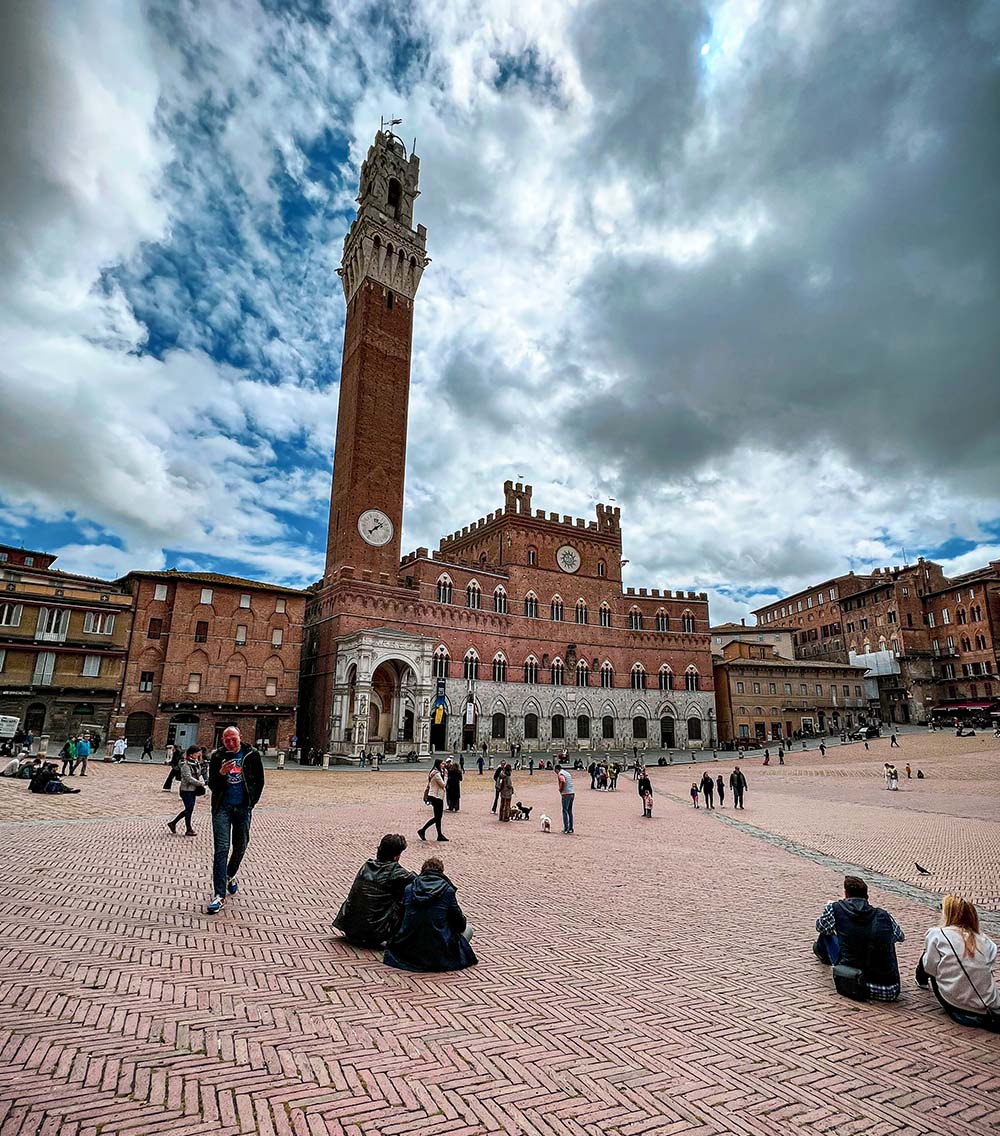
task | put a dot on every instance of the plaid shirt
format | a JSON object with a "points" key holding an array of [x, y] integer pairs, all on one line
{"points": [[826, 924]]}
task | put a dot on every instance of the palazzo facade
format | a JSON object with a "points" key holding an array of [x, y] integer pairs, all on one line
{"points": [[517, 627]]}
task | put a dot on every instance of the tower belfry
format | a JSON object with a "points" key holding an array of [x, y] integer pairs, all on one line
{"points": [[384, 258]]}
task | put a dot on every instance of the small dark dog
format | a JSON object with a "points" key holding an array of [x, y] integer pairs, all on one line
{"points": [[522, 812]]}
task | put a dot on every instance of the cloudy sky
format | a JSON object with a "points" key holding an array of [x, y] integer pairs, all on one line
{"points": [[734, 264]]}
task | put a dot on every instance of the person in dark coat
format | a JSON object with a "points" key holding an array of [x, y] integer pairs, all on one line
{"points": [[373, 910], [720, 786], [738, 784], [453, 787], [646, 794], [708, 789], [434, 935]]}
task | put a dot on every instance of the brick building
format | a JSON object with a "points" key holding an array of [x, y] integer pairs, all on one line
{"points": [[517, 627], [963, 625], [209, 651], [63, 640], [927, 642], [763, 696]]}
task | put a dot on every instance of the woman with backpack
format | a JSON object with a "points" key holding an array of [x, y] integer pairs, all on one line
{"points": [[434, 796]]}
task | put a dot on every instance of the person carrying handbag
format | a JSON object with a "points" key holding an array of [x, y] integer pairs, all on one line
{"points": [[958, 964], [192, 779], [434, 796]]}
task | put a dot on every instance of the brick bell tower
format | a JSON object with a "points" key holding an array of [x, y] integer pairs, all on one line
{"points": [[383, 261]]}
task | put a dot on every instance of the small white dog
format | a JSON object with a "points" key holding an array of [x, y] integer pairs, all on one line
{"points": [[546, 823]]}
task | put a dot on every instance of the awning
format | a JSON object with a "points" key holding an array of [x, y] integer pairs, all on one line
{"points": [[962, 706]]}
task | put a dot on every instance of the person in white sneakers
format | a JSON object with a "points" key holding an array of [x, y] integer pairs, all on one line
{"points": [[236, 781], [118, 750]]}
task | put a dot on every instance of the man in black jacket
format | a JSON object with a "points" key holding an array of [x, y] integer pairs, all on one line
{"points": [[373, 910], [737, 782], [236, 781]]}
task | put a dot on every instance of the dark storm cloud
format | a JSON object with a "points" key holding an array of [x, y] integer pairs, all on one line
{"points": [[640, 63], [863, 315]]}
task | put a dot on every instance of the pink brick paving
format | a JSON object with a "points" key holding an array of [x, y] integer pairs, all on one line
{"points": [[642, 977]]}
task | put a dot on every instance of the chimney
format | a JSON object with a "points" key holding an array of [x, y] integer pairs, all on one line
{"points": [[743, 623]]}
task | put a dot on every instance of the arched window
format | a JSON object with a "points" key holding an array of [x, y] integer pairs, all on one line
{"points": [[666, 678], [532, 557], [473, 596], [582, 673], [531, 605], [581, 611], [694, 729], [499, 667], [607, 674], [691, 678], [556, 609], [976, 612], [393, 200], [605, 615], [531, 727], [687, 622], [607, 727], [499, 725], [980, 642], [441, 662], [583, 728], [601, 568], [558, 673], [531, 669], [637, 678], [444, 589], [662, 621], [470, 670], [500, 600], [558, 727], [967, 643], [640, 729], [635, 620], [960, 616]]}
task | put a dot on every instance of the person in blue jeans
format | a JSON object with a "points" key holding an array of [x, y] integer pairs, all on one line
{"points": [[567, 796], [236, 781]]}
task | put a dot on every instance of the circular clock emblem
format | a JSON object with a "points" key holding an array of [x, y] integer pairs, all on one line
{"points": [[375, 527], [568, 558]]}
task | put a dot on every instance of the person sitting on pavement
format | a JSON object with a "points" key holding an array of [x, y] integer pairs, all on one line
{"points": [[12, 768], [45, 779], [958, 962], [373, 910], [434, 934], [854, 934]]}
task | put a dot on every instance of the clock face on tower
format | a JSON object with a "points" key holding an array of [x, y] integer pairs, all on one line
{"points": [[375, 527], [568, 558]]}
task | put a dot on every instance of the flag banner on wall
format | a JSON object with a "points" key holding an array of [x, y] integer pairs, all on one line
{"points": [[438, 714], [470, 713]]}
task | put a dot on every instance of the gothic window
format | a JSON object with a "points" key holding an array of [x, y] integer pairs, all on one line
{"points": [[581, 611], [691, 678], [976, 613], [558, 672], [532, 557], [687, 622], [607, 674], [558, 727], [499, 726], [582, 673], [531, 670], [500, 600], [638, 677], [666, 678], [607, 727], [694, 729], [441, 662], [470, 668], [444, 590], [601, 569], [662, 621], [556, 609], [394, 198], [473, 596], [499, 667], [605, 615], [531, 727], [966, 643], [531, 605], [582, 728], [635, 620], [960, 615]]}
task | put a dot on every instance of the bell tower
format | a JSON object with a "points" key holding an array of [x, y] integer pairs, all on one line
{"points": [[383, 261]]}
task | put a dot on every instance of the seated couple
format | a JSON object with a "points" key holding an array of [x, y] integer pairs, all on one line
{"points": [[417, 918], [859, 941]]}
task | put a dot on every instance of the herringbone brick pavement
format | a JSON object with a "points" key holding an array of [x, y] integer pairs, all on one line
{"points": [[641, 977]]}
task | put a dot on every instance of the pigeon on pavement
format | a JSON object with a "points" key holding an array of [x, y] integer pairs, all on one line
{"points": [[921, 869]]}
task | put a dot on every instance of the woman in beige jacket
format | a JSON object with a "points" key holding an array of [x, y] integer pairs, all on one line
{"points": [[434, 796]]}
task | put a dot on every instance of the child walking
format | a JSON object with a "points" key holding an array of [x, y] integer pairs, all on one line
{"points": [[694, 794]]}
